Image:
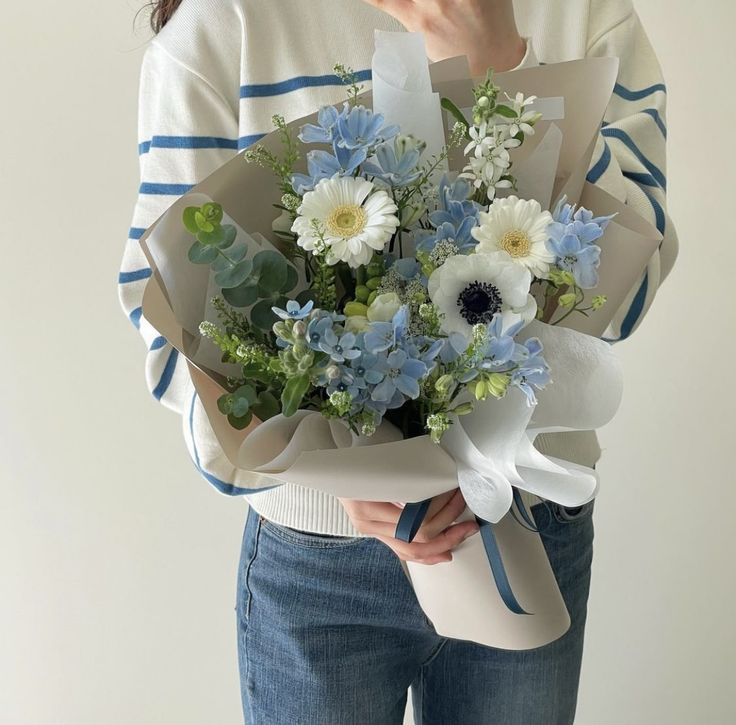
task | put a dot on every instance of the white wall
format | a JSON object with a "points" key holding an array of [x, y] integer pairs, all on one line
{"points": [[118, 563]]}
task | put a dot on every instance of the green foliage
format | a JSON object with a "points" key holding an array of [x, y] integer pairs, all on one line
{"points": [[293, 393]]}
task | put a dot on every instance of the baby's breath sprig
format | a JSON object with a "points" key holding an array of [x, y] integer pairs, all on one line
{"points": [[282, 166]]}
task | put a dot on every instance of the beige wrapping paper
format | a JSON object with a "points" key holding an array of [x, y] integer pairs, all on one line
{"points": [[459, 597]]}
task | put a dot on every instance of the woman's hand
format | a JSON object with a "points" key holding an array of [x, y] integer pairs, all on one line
{"points": [[436, 537], [483, 30]]}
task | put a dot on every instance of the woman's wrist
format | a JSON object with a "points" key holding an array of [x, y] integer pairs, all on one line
{"points": [[501, 56]]}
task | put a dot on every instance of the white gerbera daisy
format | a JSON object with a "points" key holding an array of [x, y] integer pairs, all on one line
{"points": [[518, 227], [469, 289], [353, 219]]}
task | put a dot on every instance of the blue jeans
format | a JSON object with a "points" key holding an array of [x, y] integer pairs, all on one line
{"points": [[331, 633]]}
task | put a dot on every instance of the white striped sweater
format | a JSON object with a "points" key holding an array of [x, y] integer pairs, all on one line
{"points": [[218, 71]]}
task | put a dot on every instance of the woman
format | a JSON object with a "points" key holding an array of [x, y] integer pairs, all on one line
{"points": [[329, 629]]}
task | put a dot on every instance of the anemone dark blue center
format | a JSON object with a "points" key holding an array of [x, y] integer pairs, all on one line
{"points": [[478, 302]]}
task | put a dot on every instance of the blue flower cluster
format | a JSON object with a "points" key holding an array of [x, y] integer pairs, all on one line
{"points": [[571, 237], [353, 133], [502, 354], [455, 216], [382, 367]]}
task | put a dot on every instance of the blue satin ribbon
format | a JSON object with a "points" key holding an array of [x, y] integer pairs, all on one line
{"points": [[411, 519], [414, 513]]}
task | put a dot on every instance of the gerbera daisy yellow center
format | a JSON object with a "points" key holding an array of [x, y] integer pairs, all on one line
{"points": [[346, 221], [516, 243]]}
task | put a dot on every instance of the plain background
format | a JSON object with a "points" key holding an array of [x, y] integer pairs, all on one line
{"points": [[118, 562]]}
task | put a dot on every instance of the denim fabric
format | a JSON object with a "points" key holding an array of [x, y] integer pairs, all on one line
{"points": [[330, 633]]}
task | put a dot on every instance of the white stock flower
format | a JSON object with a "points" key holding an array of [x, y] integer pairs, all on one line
{"points": [[518, 227], [469, 289], [353, 219]]}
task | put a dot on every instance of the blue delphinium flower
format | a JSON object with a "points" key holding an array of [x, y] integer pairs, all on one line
{"points": [[403, 374], [324, 131], [359, 127], [571, 237], [339, 348], [565, 213], [448, 232], [454, 202], [294, 311], [578, 258], [532, 371], [381, 336], [324, 165], [394, 169]]}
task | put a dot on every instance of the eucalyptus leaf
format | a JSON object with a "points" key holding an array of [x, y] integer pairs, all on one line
{"points": [[293, 394], [235, 253], [188, 219], [272, 271], [240, 407], [216, 236], [263, 316], [235, 275], [230, 233], [201, 254], [213, 212], [305, 295], [240, 423], [225, 403], [202, 222], [291, 279], [242, 296]]}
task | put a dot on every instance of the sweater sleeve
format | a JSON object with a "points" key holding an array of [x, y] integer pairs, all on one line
{"points": [[630, 157]]}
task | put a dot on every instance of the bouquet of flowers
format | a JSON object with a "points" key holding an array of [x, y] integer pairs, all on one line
{"points": [[408, 315]]}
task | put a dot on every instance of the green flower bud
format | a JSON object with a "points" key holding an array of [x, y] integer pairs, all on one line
{"points": [[568, 300], [356, 308], [444, 383], [598, 301], [373, 283], [361, 293], [463, 409]]}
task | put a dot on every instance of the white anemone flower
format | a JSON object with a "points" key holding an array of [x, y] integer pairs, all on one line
{"points": [[469, 289], [518, 227], [353, 219]]}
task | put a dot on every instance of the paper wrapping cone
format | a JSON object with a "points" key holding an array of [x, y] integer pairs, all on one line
{"points": [[459, 597]]}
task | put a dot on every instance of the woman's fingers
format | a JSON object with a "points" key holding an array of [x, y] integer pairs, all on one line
{"points": [[442, 519], [440, 546]]}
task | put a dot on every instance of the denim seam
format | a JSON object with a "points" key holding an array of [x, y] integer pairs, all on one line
{"points": [[338, 543]]}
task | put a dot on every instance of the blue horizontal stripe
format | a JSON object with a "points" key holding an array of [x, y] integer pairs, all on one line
{"points": [[641, 178], [166, 375], [188, 142], [259, 90], [222, 486], [158, 343], [601, 165], [135, 316], [630, 95], [134, 276], [136, 232], [654, 113], [637, 305], [245, 141], [148, 187], [622, 136]]}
